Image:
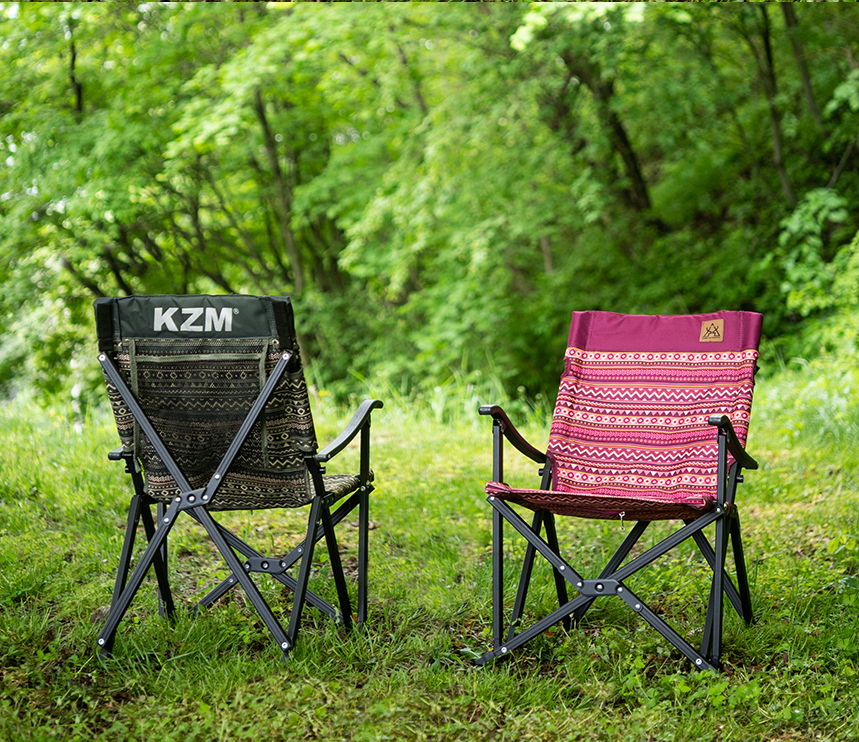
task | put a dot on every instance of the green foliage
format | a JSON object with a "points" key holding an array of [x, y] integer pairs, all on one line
{"points": [[438, 186], [809, 275], [846, 93], [830, 298]]}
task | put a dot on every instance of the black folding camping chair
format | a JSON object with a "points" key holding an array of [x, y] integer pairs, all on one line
{"points": [[213, 414], [650, 423]]}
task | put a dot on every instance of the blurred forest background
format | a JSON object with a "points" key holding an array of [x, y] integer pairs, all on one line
{"points": [[439, 185]]}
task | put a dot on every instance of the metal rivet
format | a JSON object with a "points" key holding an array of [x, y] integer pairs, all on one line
{"points": [[205, 497], [619, 590], [191, 498], [217, 476], [284, 645], [599, 587], [638, 606], [698, 661], [231, 580], [283, 565], [562, 568], [101, 642], [247, 567], [178, 499], [101, 357], [503, 650], [265, 565], [167, 520], [491, 499], [301, 551], [285, 356], [579, 584]]}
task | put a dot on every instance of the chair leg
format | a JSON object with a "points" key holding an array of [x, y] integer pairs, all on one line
{"points": [[336, 568], [541, 517], [560, 583], [525, 577], [228, 583], [295, 555], [137, 513], [641, 608], [709, 555], [497, 579], [133, 469], [159, 562], [121, 604], [740, 566], [127, 548], [711, 643], [165, 602], [363, 552], [304, 570]]}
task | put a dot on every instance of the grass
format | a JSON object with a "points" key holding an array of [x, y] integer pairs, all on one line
{"points": [[410, 676]]}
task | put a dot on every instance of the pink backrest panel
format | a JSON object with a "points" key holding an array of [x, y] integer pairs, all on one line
{"points": [[635, 396]]}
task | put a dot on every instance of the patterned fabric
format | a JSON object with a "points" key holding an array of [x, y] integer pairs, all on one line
{"points": [[196, 393], [630, 436]]}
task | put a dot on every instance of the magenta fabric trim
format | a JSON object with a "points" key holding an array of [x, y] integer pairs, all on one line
{"points": [[661, 332]]}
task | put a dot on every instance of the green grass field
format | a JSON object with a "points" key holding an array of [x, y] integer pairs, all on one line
{"points": [[410, 675]]}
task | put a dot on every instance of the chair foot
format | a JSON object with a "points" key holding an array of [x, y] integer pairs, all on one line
{"points": [[491, 657], [347, 624], [105, 646]]}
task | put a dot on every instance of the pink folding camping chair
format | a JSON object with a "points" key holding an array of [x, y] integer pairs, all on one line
{"points": [[650, 424]]}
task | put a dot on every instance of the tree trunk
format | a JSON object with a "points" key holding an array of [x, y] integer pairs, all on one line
{"points": [[77, 86], [415, 80], [798, 52], [547, 255], [590, 74], [766, 75], [284, 195]]}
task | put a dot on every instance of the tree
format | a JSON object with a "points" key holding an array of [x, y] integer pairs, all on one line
{"points": [[438, 186]]}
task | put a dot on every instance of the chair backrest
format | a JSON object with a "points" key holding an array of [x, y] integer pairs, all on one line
{"points": [[635, 396], [196, 364]]}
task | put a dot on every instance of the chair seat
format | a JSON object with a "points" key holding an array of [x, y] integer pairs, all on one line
{"points": [[260, 493], [606, 504], [340, 485]]}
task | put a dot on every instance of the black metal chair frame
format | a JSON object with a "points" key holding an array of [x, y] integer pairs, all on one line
{"points": [[321, 522], [612, 579]]}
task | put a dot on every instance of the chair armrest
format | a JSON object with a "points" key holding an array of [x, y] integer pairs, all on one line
{"points": [[117, 454], [513, 435], [359, 419], [723, 422]]}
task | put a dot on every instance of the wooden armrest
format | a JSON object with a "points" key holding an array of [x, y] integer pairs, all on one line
{"points": [[723, 422], [513, 435]]}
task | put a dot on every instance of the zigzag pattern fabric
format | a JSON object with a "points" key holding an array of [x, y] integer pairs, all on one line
{"points": [[630, 436], [196, 393]]}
